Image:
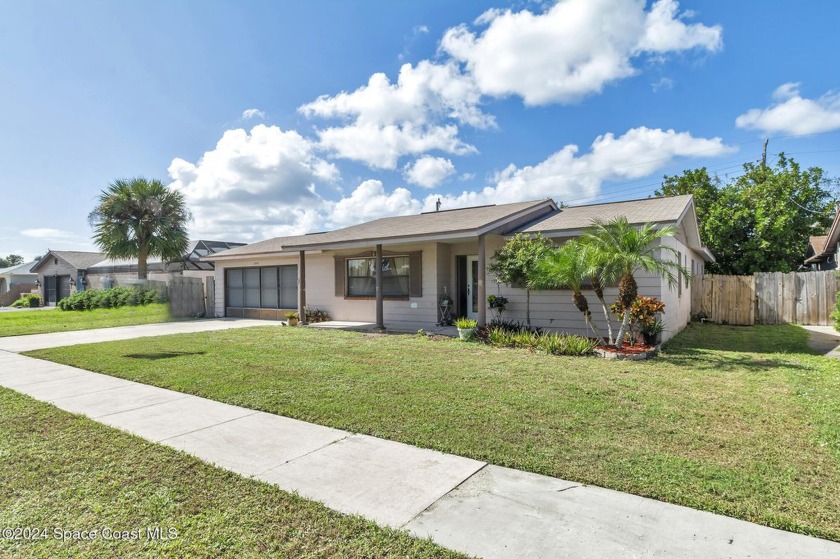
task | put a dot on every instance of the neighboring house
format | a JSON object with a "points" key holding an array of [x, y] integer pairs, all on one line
{"points": [[823, 251], [428, 255], [106, 273], [16, 280], [63, 272]]}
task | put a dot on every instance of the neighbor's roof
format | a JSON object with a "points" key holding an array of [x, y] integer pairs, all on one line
{"points": [[660, 210], [19, 270], [78, 259], [462, 221], [195, 251], [818, 243]]}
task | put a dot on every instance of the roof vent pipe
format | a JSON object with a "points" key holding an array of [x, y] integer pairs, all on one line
{"points": [[437, 205]]}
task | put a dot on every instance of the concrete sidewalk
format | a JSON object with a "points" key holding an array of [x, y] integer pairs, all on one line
{"points": [[824, 339], [460, 503], [31, 342]]}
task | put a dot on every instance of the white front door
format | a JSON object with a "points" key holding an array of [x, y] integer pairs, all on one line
{"points": [[472, 287]]}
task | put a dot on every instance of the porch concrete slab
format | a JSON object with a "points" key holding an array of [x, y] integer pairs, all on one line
{"points": [[59, 339], [75, 385], [504, 513], [255, 443], [123, 398], [174, 418], [387, 482]]}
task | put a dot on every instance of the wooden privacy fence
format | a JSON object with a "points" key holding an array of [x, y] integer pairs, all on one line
{"points": [[186, 297], [767, 298]]}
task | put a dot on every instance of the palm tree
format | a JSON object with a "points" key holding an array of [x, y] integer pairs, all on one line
{"points": [[624, 250], [567, 267], [138, 218], [595, 271]]}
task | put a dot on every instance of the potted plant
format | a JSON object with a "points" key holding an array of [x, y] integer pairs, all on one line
{"points": [[498, 304], [652, 332], [293, 318], [466, 328]]}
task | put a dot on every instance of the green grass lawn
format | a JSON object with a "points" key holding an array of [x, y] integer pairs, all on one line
{"points": [[18, 323], [62, 471], [735, 420]]}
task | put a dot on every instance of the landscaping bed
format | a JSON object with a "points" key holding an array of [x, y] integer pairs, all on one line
{"points": [[742, 421]]}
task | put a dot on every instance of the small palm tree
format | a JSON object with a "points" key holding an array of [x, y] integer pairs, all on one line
{"points": [[567, 267], [138, 218], [623, 250]]}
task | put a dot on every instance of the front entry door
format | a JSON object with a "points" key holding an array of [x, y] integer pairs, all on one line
{"points": [[472, 287]]}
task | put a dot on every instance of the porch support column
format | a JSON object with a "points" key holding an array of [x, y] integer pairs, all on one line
{"points": [[380, 315], [301, 287], [482, 282]]}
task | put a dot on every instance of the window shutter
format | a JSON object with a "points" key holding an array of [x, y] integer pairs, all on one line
{"points": [[415, 271], [339, 276]]}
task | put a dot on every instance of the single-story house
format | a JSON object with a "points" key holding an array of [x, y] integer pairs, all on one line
{"points": [[823, 251], [61, 273], [16, 280], [419, 258]]}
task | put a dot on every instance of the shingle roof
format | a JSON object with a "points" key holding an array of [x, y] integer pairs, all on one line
{"points": [[662, 210], [19, 270], [76, 258], [462, 220]]}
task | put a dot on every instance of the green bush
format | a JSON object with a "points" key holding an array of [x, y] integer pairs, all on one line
{"points": [[836, 314], [28, 300], [119, 296], [555, 344]]}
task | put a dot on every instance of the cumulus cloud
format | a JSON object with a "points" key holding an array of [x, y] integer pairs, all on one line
{"points": [[383, 121], [253, 179], [793, 114], [248, 114], [429, 172], [566, 174], [573, 49], [370, 201]]}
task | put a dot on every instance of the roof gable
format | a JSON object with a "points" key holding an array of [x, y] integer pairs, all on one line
{"points": [[75, 258]]}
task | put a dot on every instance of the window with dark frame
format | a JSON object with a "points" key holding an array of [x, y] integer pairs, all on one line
{"points": [[361, 277], [269, 287]]}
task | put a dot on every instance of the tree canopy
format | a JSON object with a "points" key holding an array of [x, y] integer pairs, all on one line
{"points": [[516, 262], [11, 260], [138, 218], [759, 221]]}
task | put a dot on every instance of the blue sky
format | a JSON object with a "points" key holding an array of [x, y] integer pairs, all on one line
{"points": [[279, 118]]}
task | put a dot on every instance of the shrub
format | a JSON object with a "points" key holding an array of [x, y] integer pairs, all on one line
{"points": [[836, 314], [317, 315], [554, 344], [28, 300], [119, 296], [465, 323]]}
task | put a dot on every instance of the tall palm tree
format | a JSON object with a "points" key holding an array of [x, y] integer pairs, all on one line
{"points": [[138, 218], [595, 272], [625, 249], [567, 267]]}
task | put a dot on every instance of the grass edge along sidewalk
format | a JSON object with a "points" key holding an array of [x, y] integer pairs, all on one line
{"points": [[63, 471]]}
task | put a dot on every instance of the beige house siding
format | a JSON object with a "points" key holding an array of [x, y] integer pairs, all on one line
{"points": [[678, 300]]}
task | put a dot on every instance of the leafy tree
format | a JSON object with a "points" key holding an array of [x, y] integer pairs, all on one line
{"points": [[567, 267], [625, 249], [11, 260], [138, 218], [761, 220], [516, 262]]}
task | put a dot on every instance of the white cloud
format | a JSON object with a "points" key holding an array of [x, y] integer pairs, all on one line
{"points": [[662, 83], [573, 49], [48, 233], [248, 114], [568, 175], [793, 114], [370, 201], [252, 180], [429, 172], [418, 113]]}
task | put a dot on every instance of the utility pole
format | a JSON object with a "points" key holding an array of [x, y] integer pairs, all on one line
{"points": [[764, 154]]}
